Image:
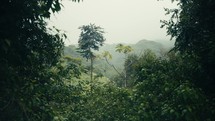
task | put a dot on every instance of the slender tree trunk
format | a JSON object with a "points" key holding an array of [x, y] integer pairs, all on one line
{"points": [[91, 73], [125, 82], [125, 76], [91, 69], [125, 69]]}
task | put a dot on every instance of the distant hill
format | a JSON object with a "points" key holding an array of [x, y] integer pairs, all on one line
{"points": [[138, 49], [71, 50], [118, 58]]}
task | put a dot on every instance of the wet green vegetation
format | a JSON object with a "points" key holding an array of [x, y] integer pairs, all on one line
{"points": [[42, 80]]}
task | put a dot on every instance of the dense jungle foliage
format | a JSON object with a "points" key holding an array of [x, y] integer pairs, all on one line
{"points": [[38, 82]]}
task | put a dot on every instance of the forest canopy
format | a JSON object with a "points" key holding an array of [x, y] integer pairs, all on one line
{"points": [[39, 82]]}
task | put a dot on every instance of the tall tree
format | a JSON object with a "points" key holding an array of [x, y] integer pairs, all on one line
{"points": [[91, 38], [27, 51], [124, 49], [192, 25]]}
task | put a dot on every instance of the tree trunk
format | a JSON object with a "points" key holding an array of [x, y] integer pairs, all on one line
{"points": [[91, 69], [125, 79], [91, 72]]}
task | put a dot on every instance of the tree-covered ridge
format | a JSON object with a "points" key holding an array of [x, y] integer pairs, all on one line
{"points": [[117, 58]]}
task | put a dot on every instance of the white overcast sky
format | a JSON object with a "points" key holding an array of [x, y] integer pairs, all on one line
{"points": [[124, 21]]}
